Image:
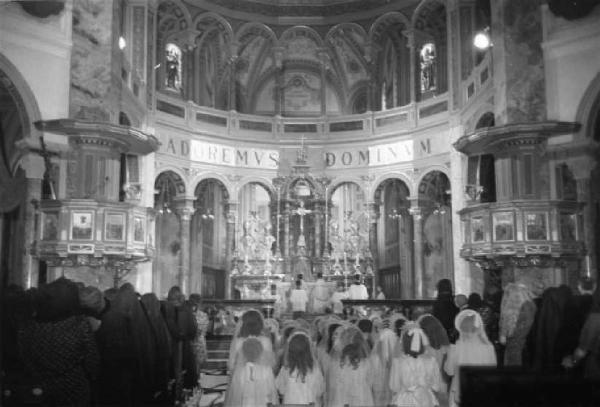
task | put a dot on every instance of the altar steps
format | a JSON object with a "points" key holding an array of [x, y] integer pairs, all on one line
{"points": [[217, 349]]}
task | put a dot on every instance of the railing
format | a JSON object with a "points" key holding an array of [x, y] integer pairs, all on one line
{"points": [[232, 124]]}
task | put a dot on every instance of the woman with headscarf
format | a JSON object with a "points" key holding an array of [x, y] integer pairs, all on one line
{"points": [[161, 342], [125, 348], [444, 308], [517, 314], [472, 348], [199, 343], [183, 329], [588, 350], [57, 349], [546, 349]]}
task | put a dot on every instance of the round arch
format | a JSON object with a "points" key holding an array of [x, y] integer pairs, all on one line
{"points": [[255, 27], [212, 175], [176, 172], [432, 168], [588, 111], [313, 34], [379, 181]]}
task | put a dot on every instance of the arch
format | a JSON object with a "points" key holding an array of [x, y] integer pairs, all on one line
{"points": [[432, 168], [343, 180], [312, 34], [588, 111], [208, 175], [172, 176], [379, 181], [177, 171], [486, 120], [255, 27], [431, 192], [176, 4], [343, 26], [25, 101], [265, 182], [379, 25], [224, 26], [471, 122], [197, 188], [425, 6]]}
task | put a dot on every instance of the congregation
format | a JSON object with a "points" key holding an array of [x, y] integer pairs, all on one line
{"points": [[68, 344]]}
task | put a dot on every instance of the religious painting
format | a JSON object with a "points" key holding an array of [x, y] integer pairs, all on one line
{"points": [[114, 226], [50, 226], [536, 226], [568, 228], [138, 229], [82, 225], [477, 229], [504, 226]]}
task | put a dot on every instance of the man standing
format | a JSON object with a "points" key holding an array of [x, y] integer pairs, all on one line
{"points": [[358, 291], [320, 294], [298, 299]]}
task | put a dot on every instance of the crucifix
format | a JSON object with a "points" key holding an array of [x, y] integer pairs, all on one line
{"points": [[302, 212]]}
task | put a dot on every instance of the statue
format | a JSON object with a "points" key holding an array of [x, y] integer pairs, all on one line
{"points": [[302, 212]]}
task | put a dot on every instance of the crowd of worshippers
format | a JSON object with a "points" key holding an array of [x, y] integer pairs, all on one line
{"points": [[69, 344], [66, 344], [386, 359]]}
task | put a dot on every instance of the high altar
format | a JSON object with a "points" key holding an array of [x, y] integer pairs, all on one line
{"points": [[299, 240]]}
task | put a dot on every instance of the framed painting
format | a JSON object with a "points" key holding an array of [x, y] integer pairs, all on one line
{"points": [[477, 229], [139, 229], [536, 225], [504, 226], [568, 227], [50, 226], [82, 225], [114, 226]]}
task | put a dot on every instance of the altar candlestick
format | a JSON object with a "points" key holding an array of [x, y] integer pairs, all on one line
{"points": [[277, 231], [326, 223]]}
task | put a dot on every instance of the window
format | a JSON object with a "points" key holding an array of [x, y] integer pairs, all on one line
{"points": [[173, 67]]}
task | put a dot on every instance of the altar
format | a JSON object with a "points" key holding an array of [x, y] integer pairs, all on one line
{"points": [[303, 233]]}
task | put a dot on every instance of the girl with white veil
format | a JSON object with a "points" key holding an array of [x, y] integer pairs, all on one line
{"points": [[251, 325], [252, 383], [352, 379], [415, 374], [300, 380], [472, 348]]}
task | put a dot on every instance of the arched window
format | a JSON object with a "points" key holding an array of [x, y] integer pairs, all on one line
{"points": [[427, 58], [173, 67]]}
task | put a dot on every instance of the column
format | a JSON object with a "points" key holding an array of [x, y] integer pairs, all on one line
{"points": [[231, 211], [410, 43], [322, 54], [369, 50], [588, 235], [232, 88], [27, 274], [286, 230], [184, 208], [278, 61], [373, 209], [318, 214], [454, 50], [415, 211]]}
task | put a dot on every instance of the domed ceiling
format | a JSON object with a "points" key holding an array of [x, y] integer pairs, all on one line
{"points": [[303, 57]]}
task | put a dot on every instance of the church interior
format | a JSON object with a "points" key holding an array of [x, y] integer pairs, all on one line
{"points": [[231, 148]]}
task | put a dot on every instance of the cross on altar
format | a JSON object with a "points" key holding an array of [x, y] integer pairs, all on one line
{"points": [[302, 212]]}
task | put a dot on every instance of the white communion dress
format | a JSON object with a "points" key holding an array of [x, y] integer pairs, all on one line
{"points": [[414, 380]]}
